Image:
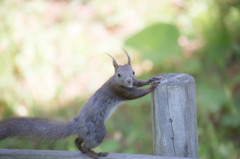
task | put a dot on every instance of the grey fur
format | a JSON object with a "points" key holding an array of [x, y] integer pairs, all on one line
{"points": [[35, 128]]}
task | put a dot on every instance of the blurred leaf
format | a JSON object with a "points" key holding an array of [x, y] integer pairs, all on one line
{"points": [[232, 119], [157, 42], [191, 66], [236, 79], [211, 97]]}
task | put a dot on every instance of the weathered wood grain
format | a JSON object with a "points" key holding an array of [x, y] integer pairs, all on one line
{"points": [[174, 116], [50, 154]]}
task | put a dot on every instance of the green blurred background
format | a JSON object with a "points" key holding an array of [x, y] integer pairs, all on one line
{"points": [[52, 59]]}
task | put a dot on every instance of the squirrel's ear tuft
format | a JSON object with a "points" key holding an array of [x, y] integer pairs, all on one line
{"points": [[114, 62], [129, 59]]}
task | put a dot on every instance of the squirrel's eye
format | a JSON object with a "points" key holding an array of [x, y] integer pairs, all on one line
{"points": [[133, 72], [119, 75]]}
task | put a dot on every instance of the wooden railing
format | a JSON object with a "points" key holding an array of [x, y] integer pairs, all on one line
{"points": [[174, 126]]}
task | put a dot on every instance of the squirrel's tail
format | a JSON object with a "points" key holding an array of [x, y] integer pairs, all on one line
{"points": [[35, 128]]}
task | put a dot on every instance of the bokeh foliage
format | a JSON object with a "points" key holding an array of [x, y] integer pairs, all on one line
{"points": [[52, 59]]}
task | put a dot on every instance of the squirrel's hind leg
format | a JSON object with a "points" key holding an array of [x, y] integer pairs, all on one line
{"points": [[78, 143], [83, 149], [93, 154], [102, 154]]}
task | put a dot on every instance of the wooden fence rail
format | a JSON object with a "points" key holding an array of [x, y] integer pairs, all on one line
{"points": [[50, 154], [174, 126]]}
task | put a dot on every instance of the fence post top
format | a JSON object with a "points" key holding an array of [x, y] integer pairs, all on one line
{"points": [[176, 79]]}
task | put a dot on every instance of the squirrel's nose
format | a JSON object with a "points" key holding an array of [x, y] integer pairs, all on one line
{"points": [[129, 81]]}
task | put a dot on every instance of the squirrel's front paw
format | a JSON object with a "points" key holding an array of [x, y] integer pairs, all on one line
{"points": [[155, 78], [155, 83]]}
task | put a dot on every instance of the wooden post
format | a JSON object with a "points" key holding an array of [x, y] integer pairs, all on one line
{"points": [[174, 116]]}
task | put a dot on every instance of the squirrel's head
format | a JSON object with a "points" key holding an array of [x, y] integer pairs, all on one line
{"points": [[124, 74]]}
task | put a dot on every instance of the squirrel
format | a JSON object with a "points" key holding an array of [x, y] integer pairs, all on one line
{"points": [[89, 124]]}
